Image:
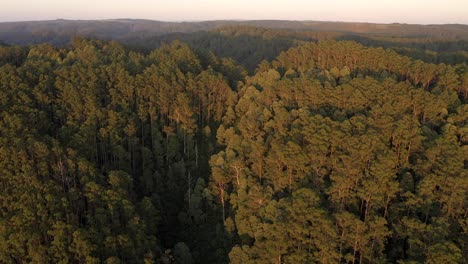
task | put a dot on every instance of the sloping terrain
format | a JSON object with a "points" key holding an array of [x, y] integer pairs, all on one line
{"points": [[60, 31]]}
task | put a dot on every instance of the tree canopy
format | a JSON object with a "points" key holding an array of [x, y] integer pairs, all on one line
{"points": [[328, 152]]}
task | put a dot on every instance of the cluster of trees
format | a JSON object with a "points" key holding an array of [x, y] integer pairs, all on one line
{"points": [[331, 153], [340, 153], [449, 51], [246, 45], [249, 45], [104, 153]]}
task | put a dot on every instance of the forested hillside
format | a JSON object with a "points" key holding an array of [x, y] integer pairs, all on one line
{"points": [[250, 45], [251, 41], [304, 150], [61, 31]]}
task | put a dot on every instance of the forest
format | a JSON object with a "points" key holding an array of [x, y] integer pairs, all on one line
{"points": [[241, 144]]}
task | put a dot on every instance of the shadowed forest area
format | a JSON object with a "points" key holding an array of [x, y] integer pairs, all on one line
{"points": [[235, 144]]}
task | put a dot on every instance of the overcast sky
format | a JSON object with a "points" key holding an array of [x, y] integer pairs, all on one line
{"points": [[384, 11]]}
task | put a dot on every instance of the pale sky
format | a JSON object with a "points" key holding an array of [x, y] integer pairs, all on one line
{"points": [[379, 11]]}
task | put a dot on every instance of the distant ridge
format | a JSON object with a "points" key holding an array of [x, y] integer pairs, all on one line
{"points": [[60, 31]]}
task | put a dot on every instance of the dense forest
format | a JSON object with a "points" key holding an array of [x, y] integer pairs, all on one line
{"points": [[237, 145], [60, 31]]}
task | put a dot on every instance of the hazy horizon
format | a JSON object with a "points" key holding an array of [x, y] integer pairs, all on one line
{"points": [[359, 11], [233, 19]]}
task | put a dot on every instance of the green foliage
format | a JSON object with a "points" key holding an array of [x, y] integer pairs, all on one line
{"points": [[94, 151], [331, 153], [333, 144]]}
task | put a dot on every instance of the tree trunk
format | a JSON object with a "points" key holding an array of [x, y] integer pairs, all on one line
{"points": [[237, 174], [189, 183], [196, 155], [222, 200]]}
